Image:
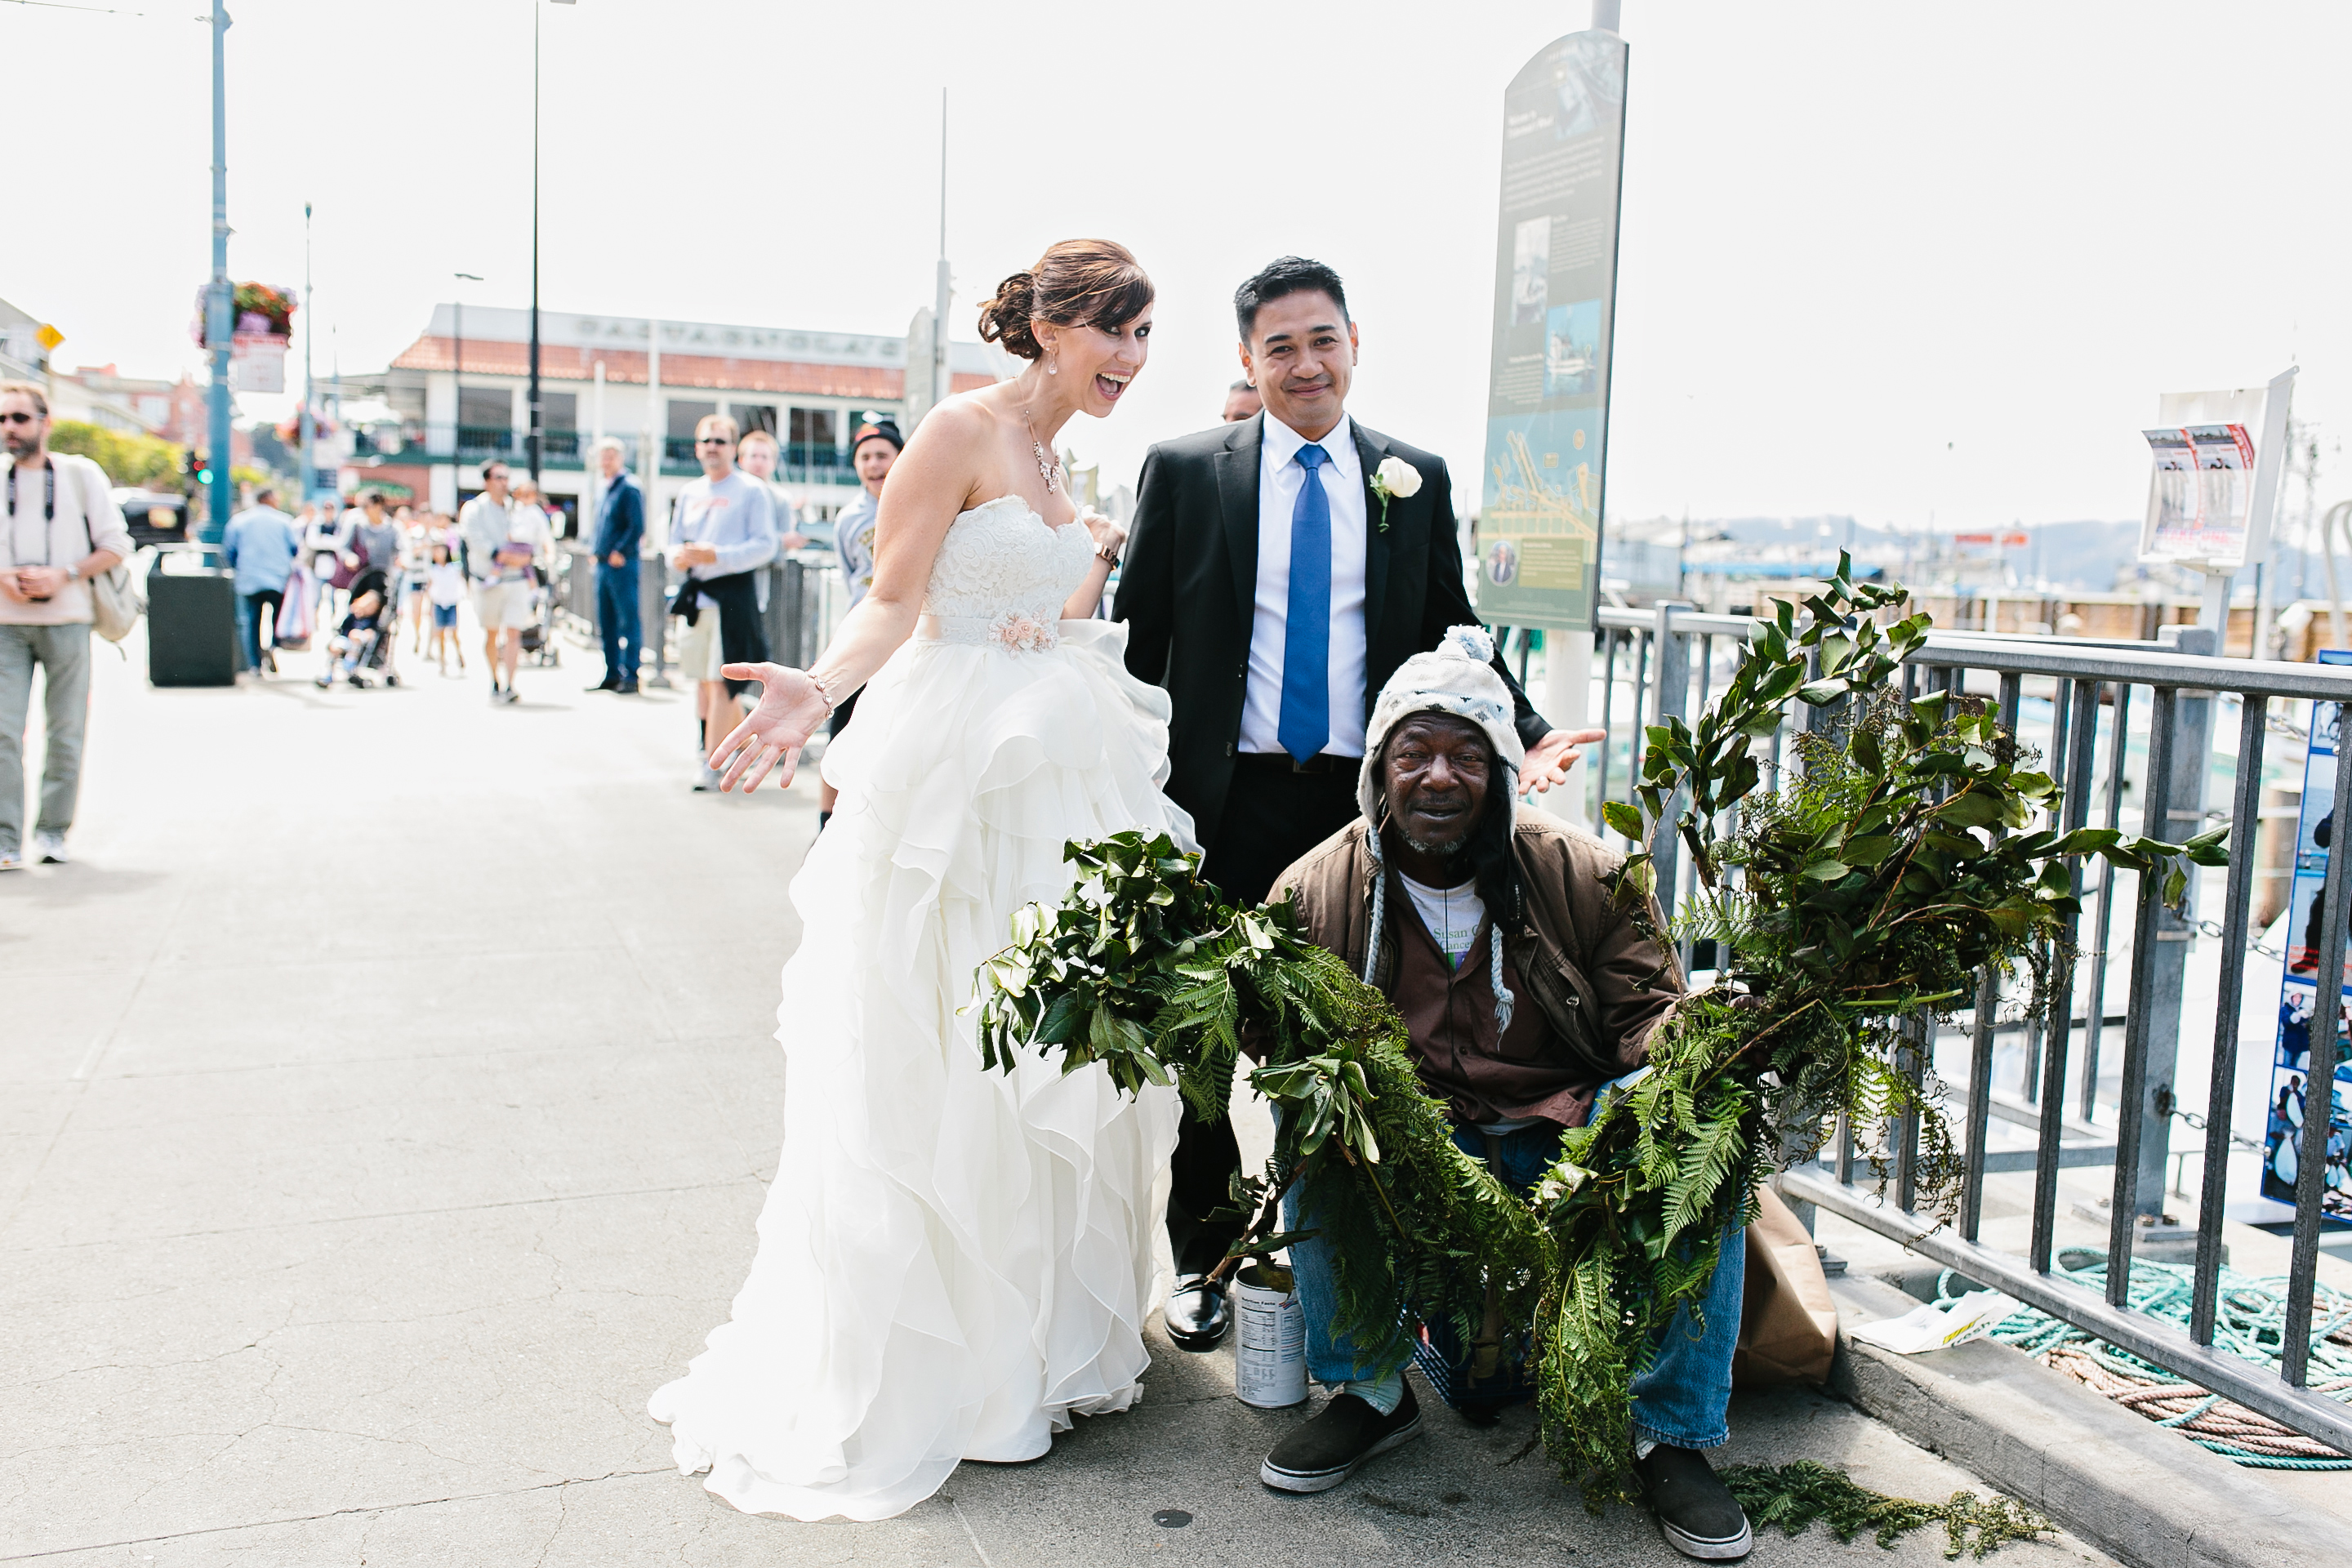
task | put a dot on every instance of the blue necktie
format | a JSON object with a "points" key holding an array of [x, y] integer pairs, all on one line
{"points": [[1305, 724]]}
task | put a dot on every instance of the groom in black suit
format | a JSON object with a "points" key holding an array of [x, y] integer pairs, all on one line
{"points": [[1279, 569]]}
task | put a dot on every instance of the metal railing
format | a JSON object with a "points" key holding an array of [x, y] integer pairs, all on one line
{"points": [[1665, 658], [803, 601]]}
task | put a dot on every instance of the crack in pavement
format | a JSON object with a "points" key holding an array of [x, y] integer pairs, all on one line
{"points": [[371, 1509]]}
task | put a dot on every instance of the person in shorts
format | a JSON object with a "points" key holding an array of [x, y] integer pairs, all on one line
{"points": [[504, 541], [444, 586]]}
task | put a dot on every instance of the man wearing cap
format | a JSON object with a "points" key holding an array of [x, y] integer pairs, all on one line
{"points": [[1525, 987], [872, 452]]}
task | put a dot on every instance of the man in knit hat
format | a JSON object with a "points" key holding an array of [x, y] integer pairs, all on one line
{"points": [[1525, 988]]}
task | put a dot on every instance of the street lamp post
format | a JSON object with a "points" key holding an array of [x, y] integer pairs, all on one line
{"points": [[457, 382], [307, 491], [533, 439], [220, 298]]}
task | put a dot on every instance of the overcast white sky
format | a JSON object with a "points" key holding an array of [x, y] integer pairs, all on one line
{"points": [[1890, 260]]}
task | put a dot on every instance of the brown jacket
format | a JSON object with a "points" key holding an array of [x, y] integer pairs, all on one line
{"points": [[1601, 984]]}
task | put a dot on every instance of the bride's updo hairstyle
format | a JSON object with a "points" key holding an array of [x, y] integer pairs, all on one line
{"points": [[1077, 283]]}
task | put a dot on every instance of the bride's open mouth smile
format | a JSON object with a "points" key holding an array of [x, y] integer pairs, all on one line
{"points": [[1109, 387]]}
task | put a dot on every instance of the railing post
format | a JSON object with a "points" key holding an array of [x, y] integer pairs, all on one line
{"points": [[2182, 817], [1672, 662]]}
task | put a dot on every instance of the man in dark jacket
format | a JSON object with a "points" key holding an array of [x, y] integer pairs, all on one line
{"points": [[1525, 988], [620, 532], [1280, 567]]}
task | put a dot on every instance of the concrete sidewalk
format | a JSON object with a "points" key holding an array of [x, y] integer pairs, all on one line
{"points": [[388, 1097]]}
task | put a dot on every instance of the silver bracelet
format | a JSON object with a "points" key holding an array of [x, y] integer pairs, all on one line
{"points": [[824, 696]]}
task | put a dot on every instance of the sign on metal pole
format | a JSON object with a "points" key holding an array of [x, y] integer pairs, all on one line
{"points": [[921, 388], [1555, 317], [2214, 482]]}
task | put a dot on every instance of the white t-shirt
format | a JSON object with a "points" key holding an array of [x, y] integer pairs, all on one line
{"points": [[446, 583], [86, 519], [1280, 478], [1452, 915]]}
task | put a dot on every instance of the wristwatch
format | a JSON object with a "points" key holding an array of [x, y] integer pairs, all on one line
{"points": [[1108, 553], [73, 572]]}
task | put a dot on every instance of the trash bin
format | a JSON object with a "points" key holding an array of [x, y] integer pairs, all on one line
{"points": [[191, 620]]}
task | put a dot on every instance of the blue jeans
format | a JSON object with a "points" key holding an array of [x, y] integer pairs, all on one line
{"points": [[618, 617], [252, 611], [1683, 1400]]}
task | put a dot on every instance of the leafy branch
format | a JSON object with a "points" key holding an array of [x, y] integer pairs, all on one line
{"points": [[1858, 900]]}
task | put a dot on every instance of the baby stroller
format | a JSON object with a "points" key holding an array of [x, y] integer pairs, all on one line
{"points": [[365, 640], [539, 638]]}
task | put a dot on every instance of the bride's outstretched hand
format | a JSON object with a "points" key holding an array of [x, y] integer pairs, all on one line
{"points": [[790, 708]]}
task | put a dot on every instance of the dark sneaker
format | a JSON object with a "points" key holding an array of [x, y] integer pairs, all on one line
{"points": [[1697, 1510], [1343, 1435]]}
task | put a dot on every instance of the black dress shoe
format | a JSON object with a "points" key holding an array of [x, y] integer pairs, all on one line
{"points": [[1343, 1435], [626, 689], [1198, 1313], [1697, 1510], [610, 683]]}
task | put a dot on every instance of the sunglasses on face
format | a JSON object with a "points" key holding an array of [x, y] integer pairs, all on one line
{"points": [[20, 418], [713, 441]]}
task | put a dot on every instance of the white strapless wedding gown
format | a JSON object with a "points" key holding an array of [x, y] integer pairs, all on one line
{"points": [[953, 1261]]}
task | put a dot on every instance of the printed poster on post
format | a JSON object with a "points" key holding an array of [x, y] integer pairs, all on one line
{"points": [[1555, 308], [2291, 1102]]}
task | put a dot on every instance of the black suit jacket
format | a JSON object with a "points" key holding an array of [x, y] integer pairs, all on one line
{"points": [[1188, 592]]}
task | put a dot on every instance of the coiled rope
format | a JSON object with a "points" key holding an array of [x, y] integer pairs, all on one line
{"points": [[2249, 1322]]}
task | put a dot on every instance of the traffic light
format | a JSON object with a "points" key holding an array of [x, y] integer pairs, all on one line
{"points": [[197, 471]]}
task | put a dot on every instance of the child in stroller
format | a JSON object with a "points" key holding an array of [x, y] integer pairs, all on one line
{"points": [[364, 639]]}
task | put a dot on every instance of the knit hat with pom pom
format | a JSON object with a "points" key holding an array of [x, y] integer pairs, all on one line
{"points": [[1455, 676]]}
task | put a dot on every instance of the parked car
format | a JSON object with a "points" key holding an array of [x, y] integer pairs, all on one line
{"points": [[156, 517]]}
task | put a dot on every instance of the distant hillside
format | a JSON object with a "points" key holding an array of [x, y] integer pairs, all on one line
{"points": [[2085, 556]]}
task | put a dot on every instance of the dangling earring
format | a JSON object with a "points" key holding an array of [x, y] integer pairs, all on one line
{"points": [[1052, 364]]}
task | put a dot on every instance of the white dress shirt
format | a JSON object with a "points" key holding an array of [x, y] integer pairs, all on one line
{"points": [[1279, 475]]}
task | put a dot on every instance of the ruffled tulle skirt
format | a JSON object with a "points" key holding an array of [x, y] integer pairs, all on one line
{"points": [[953, 1262]]}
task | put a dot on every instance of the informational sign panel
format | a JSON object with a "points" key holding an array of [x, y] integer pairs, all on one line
{"points": [[2294, 1100], [1555, 317], [257, 363], [2217, 458]]}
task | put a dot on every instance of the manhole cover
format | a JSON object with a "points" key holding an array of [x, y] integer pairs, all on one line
{"points": [[1171, 1519]]}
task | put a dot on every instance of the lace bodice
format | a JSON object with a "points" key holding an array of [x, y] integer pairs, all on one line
{"points": [[1001, 568]]}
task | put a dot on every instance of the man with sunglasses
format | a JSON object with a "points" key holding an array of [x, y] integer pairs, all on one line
{"points": [[722, 531], [63, 529]]}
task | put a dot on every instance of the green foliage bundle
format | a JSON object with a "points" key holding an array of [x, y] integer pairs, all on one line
{"points": [[1143, 968], [1858, 900], [1791, 1497], [129, 457]]}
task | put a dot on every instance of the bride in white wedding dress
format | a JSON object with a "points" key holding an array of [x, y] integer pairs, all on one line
{"points": [[952, 1262]]}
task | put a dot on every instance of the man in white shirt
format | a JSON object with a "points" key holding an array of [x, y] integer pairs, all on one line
{"points": [[504, 542], [723, 531], [62, 529]]}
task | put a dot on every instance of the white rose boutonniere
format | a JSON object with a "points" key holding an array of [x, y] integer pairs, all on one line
{"points": [[1394, 479]]}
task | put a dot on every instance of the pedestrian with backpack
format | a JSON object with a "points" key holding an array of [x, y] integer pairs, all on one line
{"points": [[63, 530]]}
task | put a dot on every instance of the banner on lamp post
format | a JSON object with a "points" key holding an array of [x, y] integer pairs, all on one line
{"points": [[1555, 318]]}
